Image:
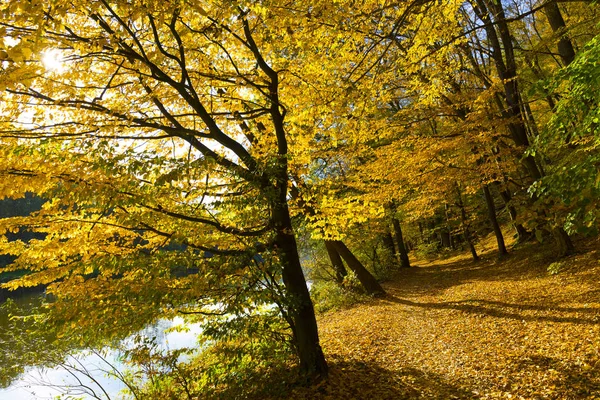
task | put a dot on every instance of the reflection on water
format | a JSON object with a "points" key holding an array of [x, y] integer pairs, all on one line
{"points": [[90, 374]]}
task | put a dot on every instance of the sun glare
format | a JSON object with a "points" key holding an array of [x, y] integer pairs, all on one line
{"points": [[52, 60]]}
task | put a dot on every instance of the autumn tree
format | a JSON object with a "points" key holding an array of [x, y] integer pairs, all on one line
{"points": [[146, 125], [485, 96], [175, 142]]}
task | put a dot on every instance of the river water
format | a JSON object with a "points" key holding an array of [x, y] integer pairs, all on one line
{"points": [[94, 382]]}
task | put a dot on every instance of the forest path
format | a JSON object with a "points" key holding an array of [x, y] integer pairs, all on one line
{"points": [[454, 329]]}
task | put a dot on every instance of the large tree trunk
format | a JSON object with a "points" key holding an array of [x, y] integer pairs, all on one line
{"points": [[304, 323], [557, 23], [504, 60], [368, 281], [494, 221], [563, 241], [336, 261], [302, 312], [402, 253], [506, 66]]}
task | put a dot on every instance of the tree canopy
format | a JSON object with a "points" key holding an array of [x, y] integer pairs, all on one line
{"points": [[180, 147]]}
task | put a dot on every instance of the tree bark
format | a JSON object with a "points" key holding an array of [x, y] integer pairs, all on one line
{"points": [[506, 66], [557, 23], [388, 241], [336, 261], [421, 233], [473, 251], [445, 240], [565, 245], [465, 225], [304, 327], [368, 281], [402, 253], [494, 221], [522, 233]]}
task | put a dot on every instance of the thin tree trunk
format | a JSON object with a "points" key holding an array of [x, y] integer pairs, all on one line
{"points": [[465, 225], [445, 238], [402, 253], [368, 281], [336, 261], [506, 66], [451, 241], [473, 251], [522, 233], [376, 262], [494, 221], [388, 241]]}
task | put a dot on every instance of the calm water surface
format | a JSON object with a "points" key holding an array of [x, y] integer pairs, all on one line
{"points": [[43, 383]]}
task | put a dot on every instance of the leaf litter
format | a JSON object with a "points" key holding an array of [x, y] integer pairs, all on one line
{"points": [[454, 329]]}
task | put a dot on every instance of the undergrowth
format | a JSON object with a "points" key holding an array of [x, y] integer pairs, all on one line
{"points": [[451, 329], [331, 296]]}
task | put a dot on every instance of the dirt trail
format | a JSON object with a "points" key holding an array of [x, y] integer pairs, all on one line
{"points": [[457, 330]]}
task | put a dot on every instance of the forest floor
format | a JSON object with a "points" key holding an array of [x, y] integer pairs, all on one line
{"points": [[456, 329]]}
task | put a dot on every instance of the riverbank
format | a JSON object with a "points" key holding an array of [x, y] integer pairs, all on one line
{"points": [[521, 327]]}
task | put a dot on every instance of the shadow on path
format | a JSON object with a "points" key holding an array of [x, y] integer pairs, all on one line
{"points": [[361, 380], [573, 381], [508, 310], [526, 264]]}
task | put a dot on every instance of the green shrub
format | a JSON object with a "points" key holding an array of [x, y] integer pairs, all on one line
{"points": [[329, 295], [387, 266], [555, 267], [252, 358], [426, 250]]}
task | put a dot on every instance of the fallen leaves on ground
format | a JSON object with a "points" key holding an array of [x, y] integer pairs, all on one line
{"points": [[454, 329]]}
